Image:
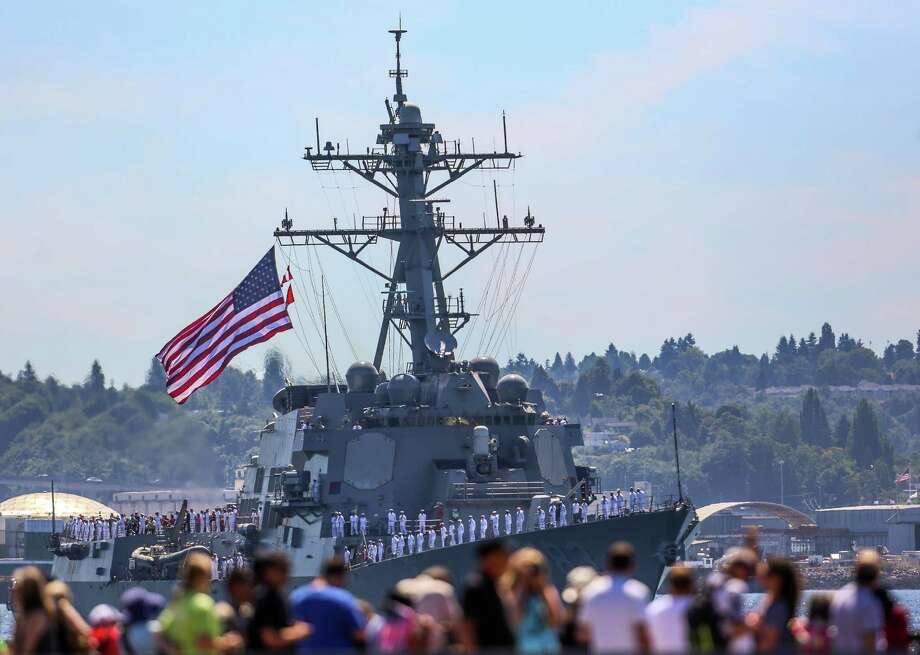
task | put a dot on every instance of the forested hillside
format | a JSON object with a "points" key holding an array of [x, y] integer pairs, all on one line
{"points": [[843, 420]]}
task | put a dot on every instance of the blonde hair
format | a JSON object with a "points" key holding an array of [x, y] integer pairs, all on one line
{"points": [[195, 566], [522, 564]]}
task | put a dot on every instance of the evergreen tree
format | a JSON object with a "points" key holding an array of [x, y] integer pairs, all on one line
{"points": [[792, 346], [813, 421], [155, 379], [645, 362], [273, 373], [845, 343], [827, 340], [865, 439], [890, 356], [904, 350], [782, 348], [556, 369], [842, 431], [763, 373], [918, 344], [95, 381], [569, 369], [27, 374]]}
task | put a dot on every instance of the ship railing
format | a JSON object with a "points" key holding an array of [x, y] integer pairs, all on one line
{"points": [[487, 491]]}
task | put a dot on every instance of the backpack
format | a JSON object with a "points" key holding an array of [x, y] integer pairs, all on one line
{"points": [[704, 624]]}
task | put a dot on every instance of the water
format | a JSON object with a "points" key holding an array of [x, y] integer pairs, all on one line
{"points": [[909, 598]]}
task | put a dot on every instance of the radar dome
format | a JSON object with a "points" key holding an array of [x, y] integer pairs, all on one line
{"points": [[403, 389], [361, 377], [410, 114], [488, 370], [382, 393], [512, 388]]}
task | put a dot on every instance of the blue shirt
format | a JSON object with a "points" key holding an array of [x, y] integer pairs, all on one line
{"points": [[333, 614]]}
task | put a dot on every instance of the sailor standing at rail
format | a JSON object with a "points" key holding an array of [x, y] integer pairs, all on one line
{"points": [[562, 519], [472, 525], [552, 515], [402, 522], [443, 535], [459, 531], [507, 521], [391, 521], [372, 552], [541, 518], [334, 522], [233, 514], [347, 554], [576, 508], [584, 510], [394, 544], [452, 533], [432, 537], [633, 500], [421, 519], [519, 521], [605, 506], [410, 543], [483, 526], [352, 523], [642, 506], [618, 502], [495, 531], [158, 523], [362, 524]]}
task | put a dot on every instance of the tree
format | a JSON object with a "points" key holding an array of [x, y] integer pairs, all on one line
{"points": [[569, 369], [827, 341], [274, 371], [763, 373], [556, 369], [27, 374], [813, 421], [904, 350], [645, 362], [95, 381], [155, 380], [866, 443], [845, 343], [842, 431]]}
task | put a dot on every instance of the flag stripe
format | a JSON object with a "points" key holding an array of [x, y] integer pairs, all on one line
{"points": [[183, 338], [182, 350]]}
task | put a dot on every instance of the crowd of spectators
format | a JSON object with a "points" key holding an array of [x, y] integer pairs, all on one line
{"points": [[508, 604]]}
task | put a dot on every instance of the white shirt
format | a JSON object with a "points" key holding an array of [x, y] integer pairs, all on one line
{"points": [[666, 618], [613, 607]]}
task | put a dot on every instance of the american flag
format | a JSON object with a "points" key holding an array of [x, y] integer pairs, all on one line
{"points": [[904, 477], [253, 312]]}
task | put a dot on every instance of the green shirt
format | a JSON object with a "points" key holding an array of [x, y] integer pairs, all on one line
{"points": [[188, 619]]}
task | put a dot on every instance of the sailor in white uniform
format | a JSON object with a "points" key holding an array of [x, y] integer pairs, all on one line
{"points": [[471, 522], [640, 500], [633, 500], [584, 510], [394, 544], [157, 523], [452, 533], [233, 515], [519, 521], [605, 506], [576, 510], [402, 522], [443, 535], [362, 524], [552, 515], [391, 521], [541, 518], [421, 520], [347, 554], [494, 518], [372, 552], [410, 543], [432, 537], [483, 526], [460, 531], [618, 503], [507, 521], [352, 523], [334, 522], [562, 520]]}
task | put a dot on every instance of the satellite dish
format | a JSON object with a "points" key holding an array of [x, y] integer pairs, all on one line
{"points": [[440, 342]]}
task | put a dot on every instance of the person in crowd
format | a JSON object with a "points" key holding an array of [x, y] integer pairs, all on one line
{"points": [[330, 608], [897, 622], [812, 632], [35, 629], [613, 612], [237, 611], [106, 633], [857, 615], [271, 627], [139, 609], [666, 616], [485, 625], [575, 583], [433, 601], [190, 624], [770, 622], [535, 608], [402, 630], [725, 591]]}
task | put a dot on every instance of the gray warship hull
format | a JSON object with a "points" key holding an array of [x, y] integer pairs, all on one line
{"points": [[657, 536]]}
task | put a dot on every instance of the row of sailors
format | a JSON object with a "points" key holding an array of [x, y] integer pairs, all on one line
{"points": [[457, 532], [98, 528]]}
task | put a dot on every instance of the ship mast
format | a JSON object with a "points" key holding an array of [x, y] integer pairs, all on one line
{"points": [[409, 163]]}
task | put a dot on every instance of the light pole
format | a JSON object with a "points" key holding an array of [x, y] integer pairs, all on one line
{"points": [[782, 491]]}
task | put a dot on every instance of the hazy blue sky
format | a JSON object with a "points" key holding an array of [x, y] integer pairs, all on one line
{"points": [[738, 170]]}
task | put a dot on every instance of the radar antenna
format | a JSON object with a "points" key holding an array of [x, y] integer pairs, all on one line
{"points": [[399, 98]]}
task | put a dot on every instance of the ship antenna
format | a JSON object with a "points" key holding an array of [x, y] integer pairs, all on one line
{"points": [[680, 488], [399, 98], [326, 334]]}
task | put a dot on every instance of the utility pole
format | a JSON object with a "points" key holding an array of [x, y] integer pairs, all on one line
{"points": [[782, 490]]}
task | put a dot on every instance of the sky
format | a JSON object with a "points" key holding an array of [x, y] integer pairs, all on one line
{"points": [[734, 170]]}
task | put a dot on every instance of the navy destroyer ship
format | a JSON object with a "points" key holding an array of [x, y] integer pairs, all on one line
{"points": [[452, 438]]}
